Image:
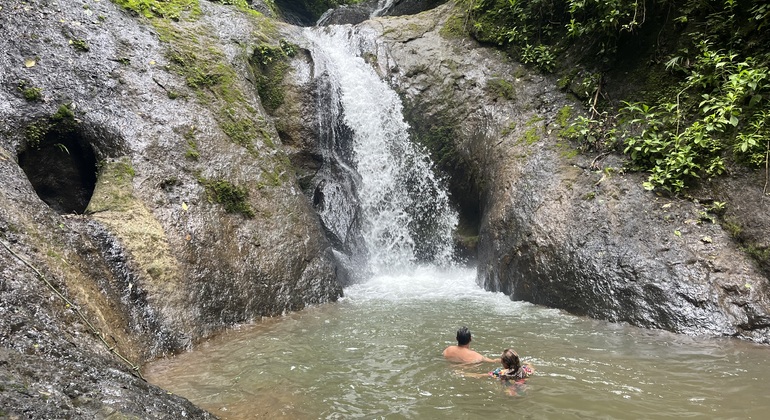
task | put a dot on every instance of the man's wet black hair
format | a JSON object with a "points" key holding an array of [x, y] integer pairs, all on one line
{"points": [[463, 336]]}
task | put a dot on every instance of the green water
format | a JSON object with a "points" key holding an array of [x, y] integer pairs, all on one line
{"points": [[377, 354]]}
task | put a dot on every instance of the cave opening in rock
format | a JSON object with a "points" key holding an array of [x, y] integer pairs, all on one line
{"points": [[62, 170]]}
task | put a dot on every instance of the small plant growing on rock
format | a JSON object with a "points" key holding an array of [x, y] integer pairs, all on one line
{"points": [[80, 45], [540, 56], [30, 93], [192, 152]]}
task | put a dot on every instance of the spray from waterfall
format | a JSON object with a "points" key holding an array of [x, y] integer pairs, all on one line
{"points": [[393, 201]]}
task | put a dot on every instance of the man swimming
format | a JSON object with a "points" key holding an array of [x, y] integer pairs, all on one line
{"points": [[462, 353]]}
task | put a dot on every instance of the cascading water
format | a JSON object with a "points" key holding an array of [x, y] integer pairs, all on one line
{"points": [[377, 352], [382, 7], [390, 196]]}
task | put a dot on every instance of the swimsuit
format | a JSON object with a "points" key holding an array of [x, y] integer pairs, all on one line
{"points": [[523, 372]]}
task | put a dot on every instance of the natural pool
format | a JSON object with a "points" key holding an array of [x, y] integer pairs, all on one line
{"points": [[377, 354]]}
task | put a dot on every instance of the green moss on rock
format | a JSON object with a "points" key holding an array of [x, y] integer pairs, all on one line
{"points": [[170, 9], [114, 205], [114, 190], [233, 198], [62, 121], [30, 93], [501, 88], [270, 64]]}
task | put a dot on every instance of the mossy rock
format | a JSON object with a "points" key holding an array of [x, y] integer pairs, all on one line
{"points": [[232, 197], [114, 205]]}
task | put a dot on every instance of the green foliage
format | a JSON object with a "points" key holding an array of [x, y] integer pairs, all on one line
{"points": [[604, 19], [63, 120], [535, 31], [591, 133], [540, 56], [721, 107], [233, 198], [713, 109], [36, 132]]}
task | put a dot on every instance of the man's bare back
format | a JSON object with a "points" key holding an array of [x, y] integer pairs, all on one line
{"points": [[462, 353]]}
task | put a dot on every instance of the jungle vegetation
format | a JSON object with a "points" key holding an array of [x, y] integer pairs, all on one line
{"points": [[682, 87]]}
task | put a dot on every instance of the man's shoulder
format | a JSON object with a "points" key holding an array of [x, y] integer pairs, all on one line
{"points": [[451, 350], [462, 355]]}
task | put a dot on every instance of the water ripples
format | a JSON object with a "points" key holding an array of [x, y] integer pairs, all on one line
{"points": [[377, 354]]}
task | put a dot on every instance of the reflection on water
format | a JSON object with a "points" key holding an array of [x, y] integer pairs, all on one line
{"points": [[377, 354]]}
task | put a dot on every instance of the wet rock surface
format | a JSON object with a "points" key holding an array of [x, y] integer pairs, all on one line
{"points": [[356, 13], [561, 228], [195, 220], [161, 259]]}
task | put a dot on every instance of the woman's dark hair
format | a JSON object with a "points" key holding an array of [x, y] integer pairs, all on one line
{"points": [[463, 336], [510, 360]]}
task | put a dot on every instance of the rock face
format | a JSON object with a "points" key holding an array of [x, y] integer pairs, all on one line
{"points": [[356, 13], [148, 201], [557, 227], [141, 177], [409, 7]]}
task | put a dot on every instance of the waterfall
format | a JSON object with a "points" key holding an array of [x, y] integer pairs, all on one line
{"points": [[377, 194], [383, 6]]}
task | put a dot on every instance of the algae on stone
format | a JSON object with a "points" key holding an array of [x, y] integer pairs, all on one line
{"points": [[114, 205]]}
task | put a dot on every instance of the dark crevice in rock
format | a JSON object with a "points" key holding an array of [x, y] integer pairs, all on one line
{"points": [[301, 13], [62, 170], [435, 132]]}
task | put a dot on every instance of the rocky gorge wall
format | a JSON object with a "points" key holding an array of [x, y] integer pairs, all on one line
{"points": [[557, 227], [141, 177]]}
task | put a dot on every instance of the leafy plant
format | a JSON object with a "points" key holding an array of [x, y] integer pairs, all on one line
{"points": [[679, 142], [711, 111], [541, 56]]}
